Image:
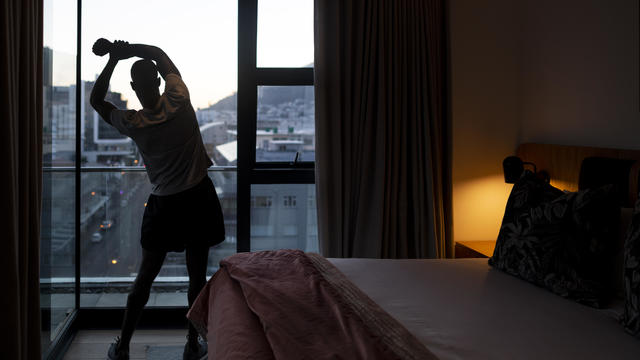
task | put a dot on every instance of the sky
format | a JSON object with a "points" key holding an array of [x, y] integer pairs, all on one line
{"points": [[200, 37]]}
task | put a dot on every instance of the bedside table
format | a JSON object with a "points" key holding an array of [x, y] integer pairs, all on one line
{"points": [[474, 249]]}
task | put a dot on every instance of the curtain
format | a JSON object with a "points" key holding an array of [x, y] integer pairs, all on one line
{"points": [[383, 139], [20, 179]]}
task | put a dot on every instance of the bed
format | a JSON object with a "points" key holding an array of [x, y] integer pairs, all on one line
{"points": [[291, 305], [464, 309]]}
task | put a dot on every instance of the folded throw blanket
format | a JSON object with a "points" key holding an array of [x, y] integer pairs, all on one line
{"points": [[286, 304]]}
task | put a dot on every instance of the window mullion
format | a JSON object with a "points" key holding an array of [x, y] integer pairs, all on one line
{"points": [[246, 105]]}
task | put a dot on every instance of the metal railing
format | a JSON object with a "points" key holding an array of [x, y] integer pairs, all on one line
{"points": [[119, 168]]}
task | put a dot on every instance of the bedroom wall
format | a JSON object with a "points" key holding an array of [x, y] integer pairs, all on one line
{"points": [[547, 71], [580, 73], [485, 104]]}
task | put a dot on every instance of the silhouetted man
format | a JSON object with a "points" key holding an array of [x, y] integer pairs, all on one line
{"points": [[183, 210]]}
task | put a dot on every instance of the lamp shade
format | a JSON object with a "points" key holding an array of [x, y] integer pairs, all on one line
{"points": [[513, 168]]}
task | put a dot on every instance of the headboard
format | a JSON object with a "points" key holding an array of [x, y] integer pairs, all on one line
{"points": [[577, 167]]}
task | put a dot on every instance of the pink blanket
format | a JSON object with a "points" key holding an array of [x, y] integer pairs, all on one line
{"points": [[290, 305]]}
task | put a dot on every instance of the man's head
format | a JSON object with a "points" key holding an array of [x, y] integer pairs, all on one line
{"points": [[145, 82]]}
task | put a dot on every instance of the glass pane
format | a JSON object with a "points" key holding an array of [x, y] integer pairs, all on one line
{"points": [[283, 216], [285, 33], [110, 235], [286, 123], [57, 230], [204, 50]]}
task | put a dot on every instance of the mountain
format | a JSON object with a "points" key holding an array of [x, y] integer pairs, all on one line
{"points": [[269, 95], [275, 95], [227, 103]]}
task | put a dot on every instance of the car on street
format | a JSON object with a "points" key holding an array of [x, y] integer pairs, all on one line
{"points": [[96, 237], [106, 225]]}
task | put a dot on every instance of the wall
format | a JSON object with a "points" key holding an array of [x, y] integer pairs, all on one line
{"points": [[580, 73], [485, 67], [548, 71]]}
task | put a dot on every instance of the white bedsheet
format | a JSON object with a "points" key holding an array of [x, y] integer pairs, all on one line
{"points": [[464, 309]]}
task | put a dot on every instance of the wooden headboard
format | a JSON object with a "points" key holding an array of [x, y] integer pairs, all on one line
{"points": [[564, 163]]}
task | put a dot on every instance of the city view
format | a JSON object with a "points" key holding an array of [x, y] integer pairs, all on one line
{"points": [[114, 186]]}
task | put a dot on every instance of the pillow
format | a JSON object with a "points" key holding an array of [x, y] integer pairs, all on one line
{"points": [[528, 192], [559, 240], [617, 252], [631, 315]]}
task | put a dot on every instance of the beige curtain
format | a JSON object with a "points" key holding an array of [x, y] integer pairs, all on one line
{"points": [[20, 179], [383, 142]]}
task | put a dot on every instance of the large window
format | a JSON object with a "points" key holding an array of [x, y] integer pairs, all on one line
{"points": [[248, 65]]}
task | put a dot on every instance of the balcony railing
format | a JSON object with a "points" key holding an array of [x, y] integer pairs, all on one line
{"points": [[112, 202]]}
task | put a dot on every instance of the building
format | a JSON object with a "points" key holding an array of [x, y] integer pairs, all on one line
{"points": [[214, 134]]}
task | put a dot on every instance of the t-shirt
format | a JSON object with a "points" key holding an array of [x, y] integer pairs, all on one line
{"points": [[168, 138]]}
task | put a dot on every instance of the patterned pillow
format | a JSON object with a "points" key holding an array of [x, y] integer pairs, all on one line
{"points": [[631, 316], [527, 193], [561, 241]]}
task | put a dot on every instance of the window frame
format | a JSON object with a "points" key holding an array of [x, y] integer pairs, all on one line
{"points": [[250, 77], [249, 172]]}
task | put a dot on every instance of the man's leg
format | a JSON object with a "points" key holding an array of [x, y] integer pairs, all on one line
{"points": [[139, 295], [197, 259]]}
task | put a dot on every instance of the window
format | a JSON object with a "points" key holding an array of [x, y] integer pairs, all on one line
{"points": [[285, 33], [283, 225], [248, 65], [289, 201], [261, 201], [285, 125], [276, 125], [114, 185]]}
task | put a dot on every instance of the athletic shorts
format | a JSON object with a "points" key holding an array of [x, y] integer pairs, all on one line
{"points": [[191, 218]]}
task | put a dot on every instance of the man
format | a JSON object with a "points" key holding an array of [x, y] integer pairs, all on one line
{"points": [[183, 211]]}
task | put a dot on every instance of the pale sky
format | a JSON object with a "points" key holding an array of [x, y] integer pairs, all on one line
{"points": [[200, 37]]}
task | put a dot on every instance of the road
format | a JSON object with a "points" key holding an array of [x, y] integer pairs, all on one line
{"points": [[120, 198], [118, 252]]}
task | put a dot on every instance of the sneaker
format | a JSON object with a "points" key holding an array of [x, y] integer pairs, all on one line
{"points": [[115, 353], [196, 353]]}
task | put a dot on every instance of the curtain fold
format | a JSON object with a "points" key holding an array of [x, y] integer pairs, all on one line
{"points": [[383, 142], [20, 179]]}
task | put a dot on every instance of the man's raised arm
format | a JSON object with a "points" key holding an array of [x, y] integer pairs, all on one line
{"points": [[99, 91]]}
